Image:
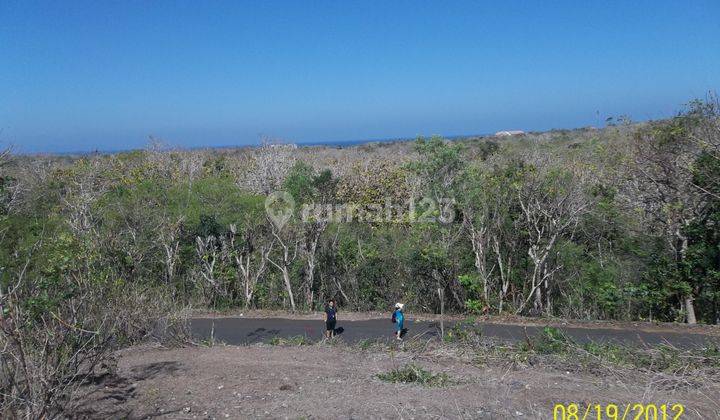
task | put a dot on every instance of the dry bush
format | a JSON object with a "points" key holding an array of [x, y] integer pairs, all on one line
{"points": [[48, 352]]}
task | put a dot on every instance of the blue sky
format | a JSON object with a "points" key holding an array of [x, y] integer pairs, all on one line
{"points": [[78, 76]]}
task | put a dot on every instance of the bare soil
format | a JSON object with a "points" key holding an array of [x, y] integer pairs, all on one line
{"points": [[338, 381]]}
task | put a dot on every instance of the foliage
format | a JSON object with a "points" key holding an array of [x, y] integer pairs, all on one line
{"points": [[466, 331], [549, 340], [411, 373], [617, 223]]}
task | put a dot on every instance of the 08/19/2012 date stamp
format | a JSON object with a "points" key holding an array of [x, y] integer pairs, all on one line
{"points": [[629, 411]]}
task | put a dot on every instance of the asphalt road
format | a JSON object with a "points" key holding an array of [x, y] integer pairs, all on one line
{"points": [[255, 330]]}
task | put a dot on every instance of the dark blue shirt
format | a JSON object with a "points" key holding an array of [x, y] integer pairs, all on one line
{"points": [[330, 311]]}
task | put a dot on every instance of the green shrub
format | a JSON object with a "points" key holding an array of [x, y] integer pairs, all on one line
{"points": [[411, 373], [550, 340], [464, 331]]}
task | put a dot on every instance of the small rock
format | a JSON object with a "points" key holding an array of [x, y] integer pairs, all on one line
{"points": [[221, 387], [285, 387], [187, 409]]}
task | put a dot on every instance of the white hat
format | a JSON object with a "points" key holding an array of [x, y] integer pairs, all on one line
{"points": [[399, 305]]}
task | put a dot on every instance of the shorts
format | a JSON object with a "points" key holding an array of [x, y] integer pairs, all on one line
{"points": [[330, 325]]}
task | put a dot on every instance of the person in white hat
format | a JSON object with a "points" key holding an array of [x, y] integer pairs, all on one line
{"points": [[398, 318]]}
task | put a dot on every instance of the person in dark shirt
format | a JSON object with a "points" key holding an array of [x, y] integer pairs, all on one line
{"points": [[330, 318]]}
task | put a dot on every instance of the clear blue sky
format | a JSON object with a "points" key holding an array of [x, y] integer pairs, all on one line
{"points": [[78, 75]]}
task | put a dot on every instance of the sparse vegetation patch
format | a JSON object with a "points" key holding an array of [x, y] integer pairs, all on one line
{"points": [[411, 373], [298, 340]]}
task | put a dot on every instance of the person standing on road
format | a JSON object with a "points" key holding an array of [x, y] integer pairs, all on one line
{"points": [[330, 318], [398, 318]]}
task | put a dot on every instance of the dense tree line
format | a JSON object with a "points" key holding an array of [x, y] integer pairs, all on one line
{"points": [[100, 251], [618, 223]]}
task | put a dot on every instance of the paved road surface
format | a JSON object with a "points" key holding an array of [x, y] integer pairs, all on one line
{"points": [[255, 330]]}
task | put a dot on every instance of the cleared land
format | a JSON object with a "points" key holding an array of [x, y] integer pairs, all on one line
{"points": [[326, 381], [472, 375]]}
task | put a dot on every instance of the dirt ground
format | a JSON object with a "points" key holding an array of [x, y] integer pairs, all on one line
{"points": [[338, 381]]}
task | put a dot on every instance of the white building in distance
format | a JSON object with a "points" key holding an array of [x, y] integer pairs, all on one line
{"points": [[509, 133]]}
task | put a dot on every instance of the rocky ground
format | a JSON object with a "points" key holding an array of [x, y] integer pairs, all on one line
{"points": [[334, 380]]}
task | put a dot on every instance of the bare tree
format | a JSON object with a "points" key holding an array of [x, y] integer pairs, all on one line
{"points": [[250, 257], [169, 238], [704, 133], [552, 202], [313, 228], [268, 166], [504, 231], [208, 257], [476, 223], [289, 245], [190, 165], [84, 185]]}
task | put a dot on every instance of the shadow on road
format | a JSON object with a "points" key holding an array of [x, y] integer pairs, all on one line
{"points": [[257, 330]]}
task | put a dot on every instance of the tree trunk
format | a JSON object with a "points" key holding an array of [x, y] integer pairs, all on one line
{"points": [[688, 299], [288, 287], [548, 302], [538, 299], [690, 310], [310, 278], [478, 242]]}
